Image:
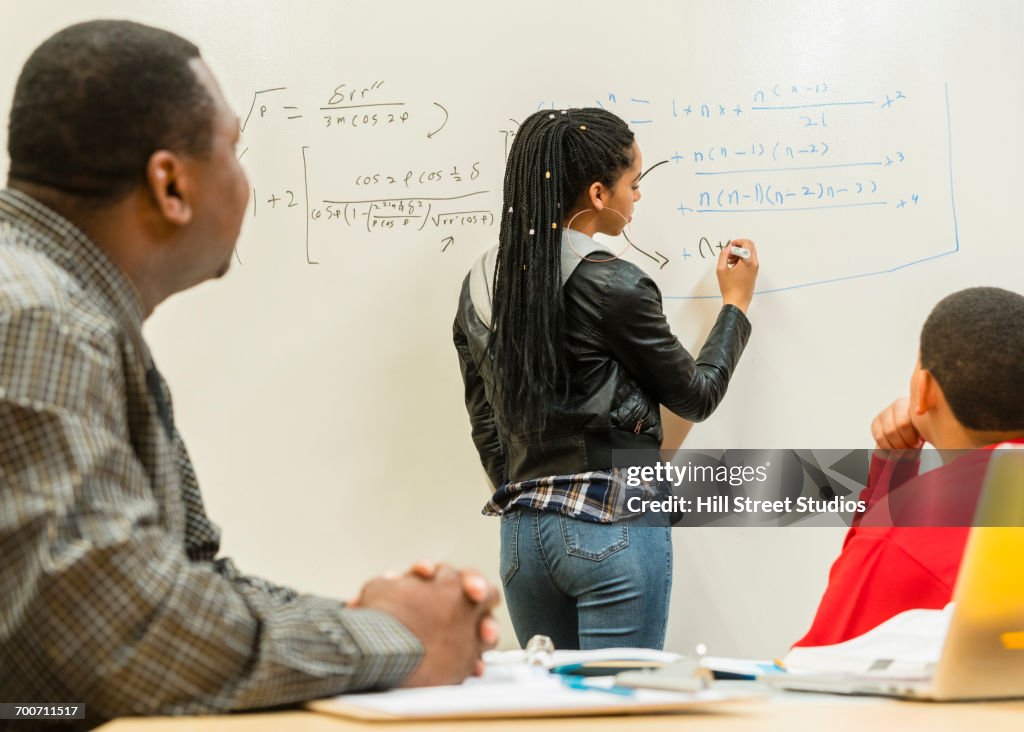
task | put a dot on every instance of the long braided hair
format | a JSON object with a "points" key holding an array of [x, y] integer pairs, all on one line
{"points": [[554, 159]]}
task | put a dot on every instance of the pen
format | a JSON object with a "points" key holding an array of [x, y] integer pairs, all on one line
{"points": [[578, 682], [604, 668], [741, 252]]}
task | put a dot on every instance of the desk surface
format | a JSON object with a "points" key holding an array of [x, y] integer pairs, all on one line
{"points": [[793, 712]]}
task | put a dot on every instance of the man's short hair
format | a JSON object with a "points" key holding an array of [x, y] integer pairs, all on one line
{"points": [[97, 99], [973, 344]]}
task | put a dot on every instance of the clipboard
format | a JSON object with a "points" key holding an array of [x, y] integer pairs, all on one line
{"points": [[521, 698]]}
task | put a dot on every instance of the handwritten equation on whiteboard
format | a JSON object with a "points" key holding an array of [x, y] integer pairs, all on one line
{"points": [[833, 184], [370, 164]]}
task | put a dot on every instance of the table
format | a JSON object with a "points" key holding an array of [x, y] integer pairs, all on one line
{"points": [[791, 711]]}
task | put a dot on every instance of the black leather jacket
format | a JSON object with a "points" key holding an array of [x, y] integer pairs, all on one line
{"points": [[624, 361]]}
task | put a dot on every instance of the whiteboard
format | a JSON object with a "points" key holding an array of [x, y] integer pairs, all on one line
{"points": [[870, 149]]}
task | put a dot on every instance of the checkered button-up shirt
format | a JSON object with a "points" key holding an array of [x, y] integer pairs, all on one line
{"points": [[110, 590]]}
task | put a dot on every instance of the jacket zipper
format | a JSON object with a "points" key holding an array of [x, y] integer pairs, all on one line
{"points": [[639, 424]]}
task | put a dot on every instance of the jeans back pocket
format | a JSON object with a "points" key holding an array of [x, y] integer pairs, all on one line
{"points": [[590, 540]]}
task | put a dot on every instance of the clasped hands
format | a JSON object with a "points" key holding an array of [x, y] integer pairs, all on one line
{"points": [[448, 610]]}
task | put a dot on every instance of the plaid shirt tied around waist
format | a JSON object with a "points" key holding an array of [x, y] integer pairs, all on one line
{"points": [[599, 496]]}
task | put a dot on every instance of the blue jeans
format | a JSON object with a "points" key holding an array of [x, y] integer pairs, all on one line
{"points": [[584, 584]]}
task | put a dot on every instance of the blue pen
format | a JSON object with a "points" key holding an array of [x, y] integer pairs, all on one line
{"points": [[578, 682]]}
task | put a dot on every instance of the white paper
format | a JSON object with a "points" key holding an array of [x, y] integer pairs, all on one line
{"points": [[530, 693], [908, 644]]}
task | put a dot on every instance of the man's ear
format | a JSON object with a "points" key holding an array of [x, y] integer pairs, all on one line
{"points": [[597, 195], [169, 186]]}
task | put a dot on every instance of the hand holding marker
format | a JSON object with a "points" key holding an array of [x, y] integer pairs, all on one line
{"points": [[735, 282], [737, 272]]}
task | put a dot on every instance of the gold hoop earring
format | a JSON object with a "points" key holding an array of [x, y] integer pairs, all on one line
{"points": [[629, 242]]}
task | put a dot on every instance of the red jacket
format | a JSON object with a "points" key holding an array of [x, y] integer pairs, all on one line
{"points": [[904, 551]]}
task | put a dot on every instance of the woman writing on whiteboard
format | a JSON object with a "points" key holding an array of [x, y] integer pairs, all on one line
{"points": [[566, 355]]}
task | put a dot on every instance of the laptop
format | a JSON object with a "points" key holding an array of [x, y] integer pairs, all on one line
{"points": [[980, 651]]}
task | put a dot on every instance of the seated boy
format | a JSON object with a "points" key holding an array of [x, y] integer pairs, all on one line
{"points": [[965, 393]]}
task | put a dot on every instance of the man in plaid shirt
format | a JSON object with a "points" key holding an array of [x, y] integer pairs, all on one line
{"points": [[125, 188]]}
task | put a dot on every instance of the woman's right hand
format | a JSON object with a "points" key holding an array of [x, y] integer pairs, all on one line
{"points": [[736, 276]]}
